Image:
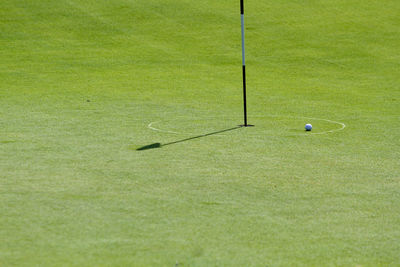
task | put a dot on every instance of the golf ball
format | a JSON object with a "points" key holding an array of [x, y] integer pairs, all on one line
{"points": [[308, 127]]}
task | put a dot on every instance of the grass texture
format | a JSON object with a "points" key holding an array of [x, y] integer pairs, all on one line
{"points": [[80, 82]]}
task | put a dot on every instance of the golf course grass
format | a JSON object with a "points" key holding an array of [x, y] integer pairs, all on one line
{"points": [[120, 145]]}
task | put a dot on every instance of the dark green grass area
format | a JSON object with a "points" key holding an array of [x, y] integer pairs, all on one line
{"points": [[120, 145]]}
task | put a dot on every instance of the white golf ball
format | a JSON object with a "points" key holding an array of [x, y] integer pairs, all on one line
{"points": [[308, 127]]}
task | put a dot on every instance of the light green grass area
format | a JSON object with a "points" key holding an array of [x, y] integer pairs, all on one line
{"points": [[80, 82]]}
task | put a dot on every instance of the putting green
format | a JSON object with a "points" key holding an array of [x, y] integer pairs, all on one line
{"points": [[120, 145]]}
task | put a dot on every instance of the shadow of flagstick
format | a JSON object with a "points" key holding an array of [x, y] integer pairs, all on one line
{"points": [[158, 145]]}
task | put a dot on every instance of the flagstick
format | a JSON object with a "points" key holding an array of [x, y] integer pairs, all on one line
{"points": [[243, 66]]}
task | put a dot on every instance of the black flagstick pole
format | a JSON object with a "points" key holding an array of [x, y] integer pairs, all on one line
{"points": [[243, 65]]}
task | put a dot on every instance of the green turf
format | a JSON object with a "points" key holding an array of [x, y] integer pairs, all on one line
{"points": [[80, 81]]}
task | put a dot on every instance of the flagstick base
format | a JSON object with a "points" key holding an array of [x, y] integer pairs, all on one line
{"points": [[247, 125]]}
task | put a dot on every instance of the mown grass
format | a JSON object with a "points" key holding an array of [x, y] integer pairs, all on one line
{"points": [[80, 81]]}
